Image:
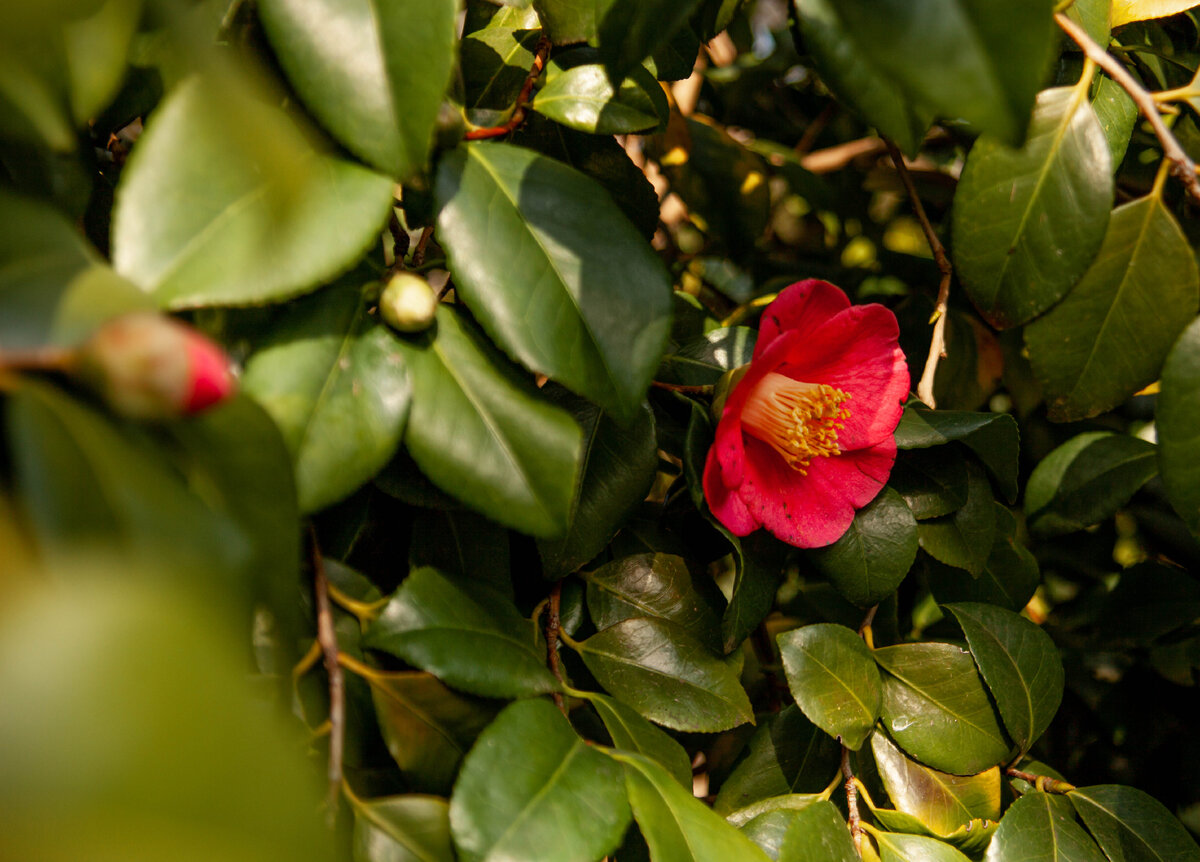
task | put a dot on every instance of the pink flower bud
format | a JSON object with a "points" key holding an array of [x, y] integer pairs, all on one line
{"points": [[148, 366]]}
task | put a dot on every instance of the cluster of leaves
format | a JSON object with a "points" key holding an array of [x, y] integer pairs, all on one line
{"points": [[537, 642]]}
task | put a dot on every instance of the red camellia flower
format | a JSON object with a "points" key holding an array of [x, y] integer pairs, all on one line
{"points": [[805, 437]]}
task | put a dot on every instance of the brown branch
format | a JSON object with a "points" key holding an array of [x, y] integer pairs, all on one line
{"points": [[553, 627], [937, 342], [705, 389], [854, 819], [814, 129], [1182, 167], [518, 115], [1044, 783], [57, 359], [327, 638], [422, 246], [835, 158]]}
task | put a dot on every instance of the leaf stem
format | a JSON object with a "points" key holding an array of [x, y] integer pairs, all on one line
{"points": [[706, 389], [327, 638], [1045, 783], [541, 53], [365, 611], [553, 630]]}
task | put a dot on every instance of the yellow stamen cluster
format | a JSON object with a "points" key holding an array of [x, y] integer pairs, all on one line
{"points": [[798, 420]]}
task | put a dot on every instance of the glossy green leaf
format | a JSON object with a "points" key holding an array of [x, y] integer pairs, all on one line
{"points": [[758, 572], [1178, 423], [921, 46], [834, 679], [409, 828], [373, 73], [702, 361], [964, 537], [569, 21], [993, 437], [1108, 338], [933, 482], [788, 754], [1028, 222], [870, 560], [818, 832], [788, 803], [482, 433], [631, 732], [677, 826], [897, 847], [971, 838], [1086, 480], [1132, 826], [651, 585], [495, 63], [554, 272], [936, 707], [768, 829], [463, 632], [560, 799], [225, 203], [462, 543], [667, 675], [940, 801], [579, 95], [335, 382], [619, 464], [1009, 577], [1034, 829], [1115, 110], [632, 30]]}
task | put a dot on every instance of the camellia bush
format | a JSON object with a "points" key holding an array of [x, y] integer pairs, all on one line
{"points": [[556, 430]]}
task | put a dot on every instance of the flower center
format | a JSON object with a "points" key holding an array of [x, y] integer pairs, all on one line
{"points": [[798, 420]]}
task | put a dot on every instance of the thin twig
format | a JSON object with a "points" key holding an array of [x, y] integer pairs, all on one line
{"points": [[853, 818], [705, 389], [518, 115], [814, 129], [553, 627], [1042, 782], [937, 343], [327, 637], [1182, 167], [37, 359], [418, 257]]}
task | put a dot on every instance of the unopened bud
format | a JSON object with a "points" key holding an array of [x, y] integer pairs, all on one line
{"points": [[408, 303], [148, 366]]}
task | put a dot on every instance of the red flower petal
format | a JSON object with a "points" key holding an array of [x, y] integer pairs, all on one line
{"points": [[725, 503], [800, 307]]}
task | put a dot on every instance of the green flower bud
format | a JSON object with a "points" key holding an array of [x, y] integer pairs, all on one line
{"points": [[408, 303]]}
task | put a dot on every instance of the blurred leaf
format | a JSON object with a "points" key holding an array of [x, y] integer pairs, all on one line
{"points": [[407, 828], [1027, 223], [96, 49], [560, 799], [631, 732], [1086, 480], [834, 679], [632, 30], [1132, 826], [702, 361], [373, 73], [1009, 577], [481, 432], [1150, 600], [1125, 11], [554, 272], [818, 832], [993, 437], [463, 632], [1177, 418], [936, 707], [964, 537], [579, 95], [870, 560], [932, 482], [1035, 830], [225, 203]]}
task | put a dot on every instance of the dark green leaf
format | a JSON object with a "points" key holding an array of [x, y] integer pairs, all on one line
{"points": [[560, 799], [1086, 480], [408, 828], [932, 482], [964, 537], [1178, 423], [479, 431], [632, 30], [334, 381], [667, 675], [1009, 578], [897, 847], [1115, 110], [579, 95], [675, 58], [818, 832], [495, 63], [462, 543], [554, 272], [465, 633], [1132, 826], [758, 572], [834, 679], [569, 21], [1027, 223], [225, 203], [373, 73], [868, 563], [702, 361], [936, 707], [1150, 600], [1108, 338], [1034, 829], [631, 732], [993, 437]]}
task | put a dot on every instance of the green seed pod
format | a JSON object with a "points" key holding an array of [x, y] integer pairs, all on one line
{"points": [[408, 303]]}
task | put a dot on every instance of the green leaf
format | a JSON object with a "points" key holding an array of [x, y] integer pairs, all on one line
{"points": [[993, 437], [495, 63], [554, 272], [758, 572], [818, 832], [579, 95], [481, 432], [463, 632], [619, 464], [631, 732], [373, 73], [1108, 338], [1132, 826], [667, 675], [632, 30], [96, 50], [834, 679], [870, 560], [1093, 16], [857, 81], [334, 381], [940, 801], [788, 754], [789, 803], [1150, 600], [936, 707], [932, 482], [569, 21], [560, 799], [702, 361], [1178, 423], [1009, 578], [409, 828], [1114, 108], [1028, 222], [225, 203], [462, 543], [651, 585], [921, 46], [897, 847], [768, 829], [677, 826], [964, 537], [1086, 480], [1034, 829], [675, 58]]}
